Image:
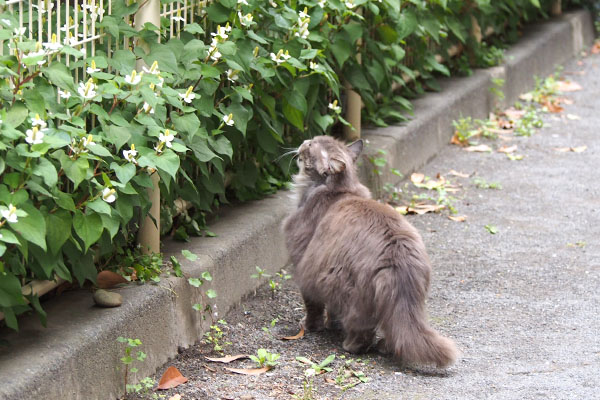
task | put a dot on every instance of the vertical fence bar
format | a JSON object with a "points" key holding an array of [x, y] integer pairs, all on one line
{"points": [[353, 104], [556, 8], [149, 234]]}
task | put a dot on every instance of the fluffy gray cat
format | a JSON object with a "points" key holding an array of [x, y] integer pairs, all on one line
{"points": [[359, 259]]}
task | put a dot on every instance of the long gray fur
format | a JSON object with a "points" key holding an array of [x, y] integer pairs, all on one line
{"points": [[359, 259]]}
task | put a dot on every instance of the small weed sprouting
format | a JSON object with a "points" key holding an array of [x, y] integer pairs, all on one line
{"points": [[131, 357], [379, 161], [491, 229], [208, 294], [264, 358], [145, 267], [531, 121], [347, 377], [483, 184], [260, 273], [496, 90], [216, 336], [318, 368], [267, 329]]}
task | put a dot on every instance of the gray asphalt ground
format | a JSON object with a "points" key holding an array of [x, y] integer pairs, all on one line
{"points": [[522, 304]]}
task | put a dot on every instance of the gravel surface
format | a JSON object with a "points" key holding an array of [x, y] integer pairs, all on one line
{"points": [[522, 304]]}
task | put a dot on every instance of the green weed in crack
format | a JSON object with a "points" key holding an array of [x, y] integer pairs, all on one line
{"points": [[265, 358], [483, 184], [132, 357]]}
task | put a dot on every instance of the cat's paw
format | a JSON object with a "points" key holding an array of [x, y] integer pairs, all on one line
{"points": [[312, 324], [357, 343]]}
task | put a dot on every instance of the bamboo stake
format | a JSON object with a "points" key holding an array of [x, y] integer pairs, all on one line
{"points": [[38, 288], [556, 8], [149, 234]]}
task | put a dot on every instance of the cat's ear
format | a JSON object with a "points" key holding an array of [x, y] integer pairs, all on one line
{"points": [[355, 149], [336, 165]]}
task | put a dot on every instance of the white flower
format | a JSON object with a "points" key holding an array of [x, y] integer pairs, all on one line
{"points": [[233, 75], [303, 14], [215, 55], [92, 68], [20, 31], [87, 90], [273, 4], [350, 4], [322, 3], [129, 155], [161, 80], [221, 34], [70, 40], [6, 21], [246, 20], [178, 18], [88, 141], [188, 96], [42, 7], [108, 195], [64, 95], [1, 236], [148, 109], [53, 44], [228, 119], [37, 121], [11, 214], [34, 136], [166, 138], [313, 65], [309, 372], [134, 78], [334, 106], [244, 2], [280, 57], [153, 68]]}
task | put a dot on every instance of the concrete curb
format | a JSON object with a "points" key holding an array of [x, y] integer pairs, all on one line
{"points": [[77, 356]]}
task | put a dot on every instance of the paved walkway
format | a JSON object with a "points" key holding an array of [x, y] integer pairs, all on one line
{"points": [[522, 304]]}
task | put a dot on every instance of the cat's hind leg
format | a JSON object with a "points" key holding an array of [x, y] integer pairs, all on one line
{"points": [[358, 341], [313, 321]]}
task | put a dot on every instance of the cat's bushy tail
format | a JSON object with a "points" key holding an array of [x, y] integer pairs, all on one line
{"points": [[400, 293]]}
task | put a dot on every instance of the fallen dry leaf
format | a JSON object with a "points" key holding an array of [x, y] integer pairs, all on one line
{"points": [[417, 177], [573, 117], [568, 86], [420, 208], [526, 96], [171, 378], [459, 174], [175, 397], [458, 218], [506, 138], [514, 114], [329, 380], [482, 148], [579, 149], [596, 47], [108, 279], [296, 336], [249, 371], [227, 359], [507, 149], [552, 106]]}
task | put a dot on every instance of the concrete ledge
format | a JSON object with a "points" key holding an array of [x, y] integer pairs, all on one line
{"points": [[77, 356]]}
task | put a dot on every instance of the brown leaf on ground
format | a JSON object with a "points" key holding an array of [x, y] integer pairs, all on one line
{"points": [[458, 218], [417, 177], [108, 279], [455, 140], [552, 105], [227, 359], [596, 47], [420, 208], [249, 371], [565, 100], [175, 397], [459, 174], [296, 336], [506, 138], [579, 149], [513, 114], [482, 148], [507, 149], [568, 86], [170, 379]]}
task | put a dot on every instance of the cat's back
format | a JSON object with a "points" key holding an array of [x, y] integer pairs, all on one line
{"points": [[353, 213]]}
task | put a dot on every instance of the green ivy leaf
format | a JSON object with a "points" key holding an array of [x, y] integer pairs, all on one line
{"points": [[32, 227], [88, 227], [124, 172], [58, 229], [10, 291], [46, 170]]}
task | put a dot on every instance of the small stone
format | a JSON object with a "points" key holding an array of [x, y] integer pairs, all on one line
{"points": [[104, 298]]}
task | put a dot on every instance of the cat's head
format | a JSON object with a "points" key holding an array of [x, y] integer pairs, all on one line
{"points": [[324, 156]]}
